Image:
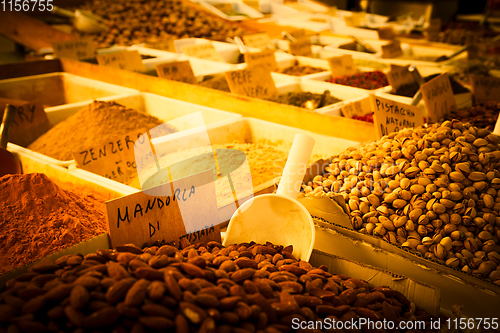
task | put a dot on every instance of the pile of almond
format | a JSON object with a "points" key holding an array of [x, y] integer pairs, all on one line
{"points": [[201, 288]]}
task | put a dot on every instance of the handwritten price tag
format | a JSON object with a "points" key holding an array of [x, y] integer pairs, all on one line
{"points": [[165, 45], [301, 47], [265, 59], [399, 76], [438, 97], [128, 60], [114, 160], [177, 71], [78, 49], [391, 116], [386, 33], [30, 121], [203, 51], [485, 88], [342, 65], [252, 82], [358, 108], [259, 41], [392, 50], [188, 206]]}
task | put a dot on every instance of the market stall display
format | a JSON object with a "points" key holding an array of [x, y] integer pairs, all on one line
{"points": [[204, 287]]}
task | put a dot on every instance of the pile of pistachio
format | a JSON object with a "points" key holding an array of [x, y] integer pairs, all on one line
{"points": [[433, 190]]}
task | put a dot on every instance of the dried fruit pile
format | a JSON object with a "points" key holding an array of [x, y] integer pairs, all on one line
{"points": [[299, 70], [483, 115], [433, 190], [366, 80], [203, 288], [140, 21], [305, 99]]}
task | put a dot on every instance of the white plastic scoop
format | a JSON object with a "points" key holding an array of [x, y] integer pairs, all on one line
{"points": [[84, 21], [279, 218]]}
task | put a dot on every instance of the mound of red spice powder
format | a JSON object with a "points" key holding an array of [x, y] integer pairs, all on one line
{"points": [[366, 80], [38, 218]]}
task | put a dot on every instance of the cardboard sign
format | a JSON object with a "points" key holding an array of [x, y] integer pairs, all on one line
{"points": [[252, 82], [203, 51], [391, 116], [114, 160], [259, 41], [128, 60], [78, 49], [438, 97], [357, 108], [392, 50], [399, 76], [265, 59], [223, 7], [386, 33], [189, 205], [30, 121], [165, 45], [353, 20], [485, 88], [301, 47], [177, 71], [342, 65]]}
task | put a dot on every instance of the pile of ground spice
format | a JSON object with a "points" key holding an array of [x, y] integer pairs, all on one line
{"points": [[265, 163], [92, 126], [217, 82], [38, 218]]}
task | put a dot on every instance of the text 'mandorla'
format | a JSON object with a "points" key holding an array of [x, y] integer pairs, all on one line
{"points": [[187, 206]]}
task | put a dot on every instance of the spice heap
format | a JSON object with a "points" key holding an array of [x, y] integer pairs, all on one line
{"points": [[299, 70], [202, 288], [140, 21], [38, 218], [367, 117], [432, 190], [307, 100], [218, 82], [265, 163], [409, 90], [366, 80], [96, 124], [484, 115]]}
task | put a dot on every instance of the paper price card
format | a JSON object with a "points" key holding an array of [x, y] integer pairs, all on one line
{"points": [[391, 116], [438, 97], [255, 4], [354, 20], [301, 47], [177, 71], [128, 60], [485, 88], [78, 49], [114, 160], [30, 121], [185, 206], [392, 50], [399, 76], [386, 33], [164, 45], [203, 51], [265, 59], [252, 82], [357, 108], [342, 65], [259, 41]]}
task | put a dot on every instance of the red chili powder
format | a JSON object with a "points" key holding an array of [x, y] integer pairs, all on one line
{"points": [[38, 218]]}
